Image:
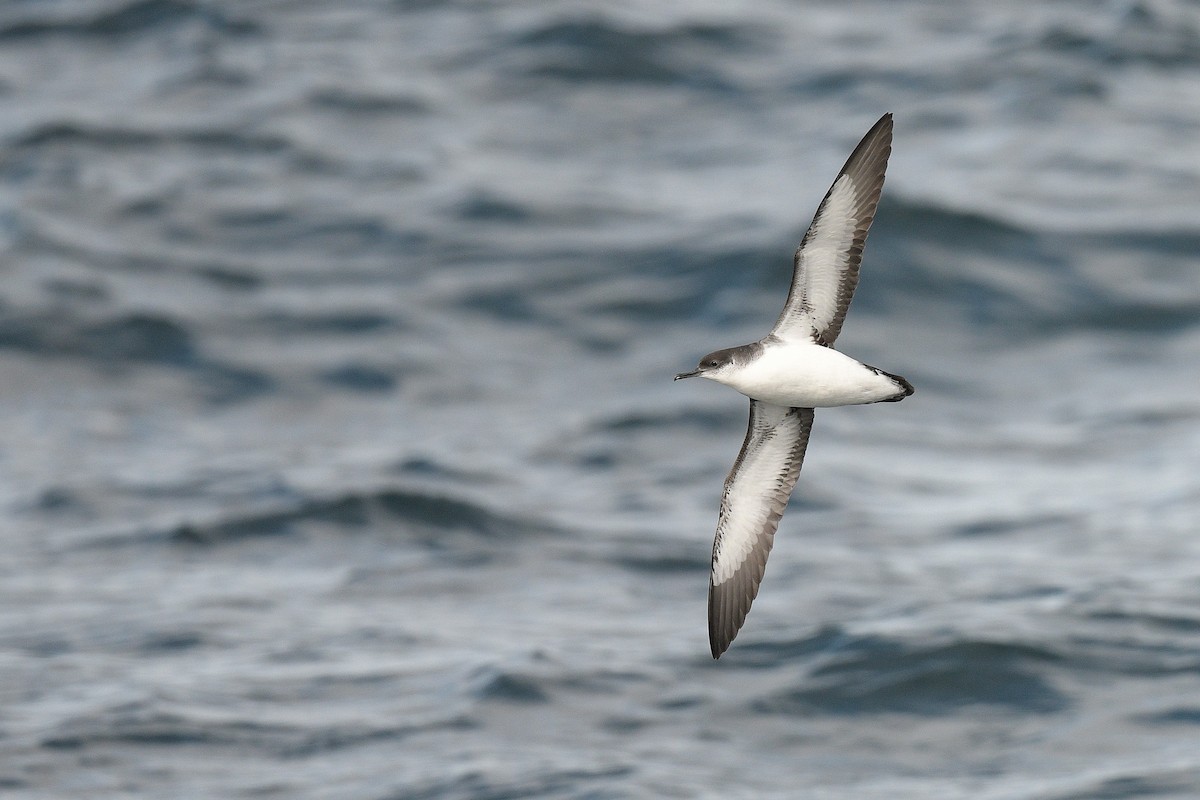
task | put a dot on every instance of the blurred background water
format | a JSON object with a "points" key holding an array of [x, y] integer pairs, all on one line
{"points": [[339, 452]]}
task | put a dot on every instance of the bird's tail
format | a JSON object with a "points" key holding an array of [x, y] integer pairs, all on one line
{"points": [[905, 388]]}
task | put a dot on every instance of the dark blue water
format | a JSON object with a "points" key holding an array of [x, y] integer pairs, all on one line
{"points": [[340, 455]]}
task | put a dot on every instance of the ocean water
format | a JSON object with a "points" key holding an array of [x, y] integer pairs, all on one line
{"points": [[340, 456]]}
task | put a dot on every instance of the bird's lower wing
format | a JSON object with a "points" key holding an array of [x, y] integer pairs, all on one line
{"points": [[756, 492]]}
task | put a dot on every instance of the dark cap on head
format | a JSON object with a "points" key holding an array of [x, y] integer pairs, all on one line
{"points": [[720, 358]]}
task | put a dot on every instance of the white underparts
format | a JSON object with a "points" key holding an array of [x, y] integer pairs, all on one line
{"points": [[806, 375]]}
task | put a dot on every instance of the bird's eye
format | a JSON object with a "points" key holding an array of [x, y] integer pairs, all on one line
{"points": [[712, 362]]}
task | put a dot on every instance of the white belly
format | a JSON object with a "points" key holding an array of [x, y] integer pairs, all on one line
{"points": [[808, 376]]}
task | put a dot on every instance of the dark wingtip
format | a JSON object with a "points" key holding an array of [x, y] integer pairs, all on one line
{"points": [[883, 122], [718, 643], [727, 608], [719, 637]]}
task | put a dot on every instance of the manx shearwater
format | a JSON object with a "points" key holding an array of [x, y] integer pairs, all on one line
{"points": [[787, 374]]}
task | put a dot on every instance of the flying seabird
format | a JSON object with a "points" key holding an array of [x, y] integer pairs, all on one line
{"points": [[787, 374]]}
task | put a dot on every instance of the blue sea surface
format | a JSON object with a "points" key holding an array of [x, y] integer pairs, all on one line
{"points": [[340, 456]]}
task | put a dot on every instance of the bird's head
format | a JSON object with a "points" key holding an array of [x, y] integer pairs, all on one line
{"points": [[720, 362]]}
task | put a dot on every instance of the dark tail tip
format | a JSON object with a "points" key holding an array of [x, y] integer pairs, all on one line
{"points": [[905, 387]]}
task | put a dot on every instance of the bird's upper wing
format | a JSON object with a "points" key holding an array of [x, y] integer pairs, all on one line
{"points": [[826, 262], [756, 493]]}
